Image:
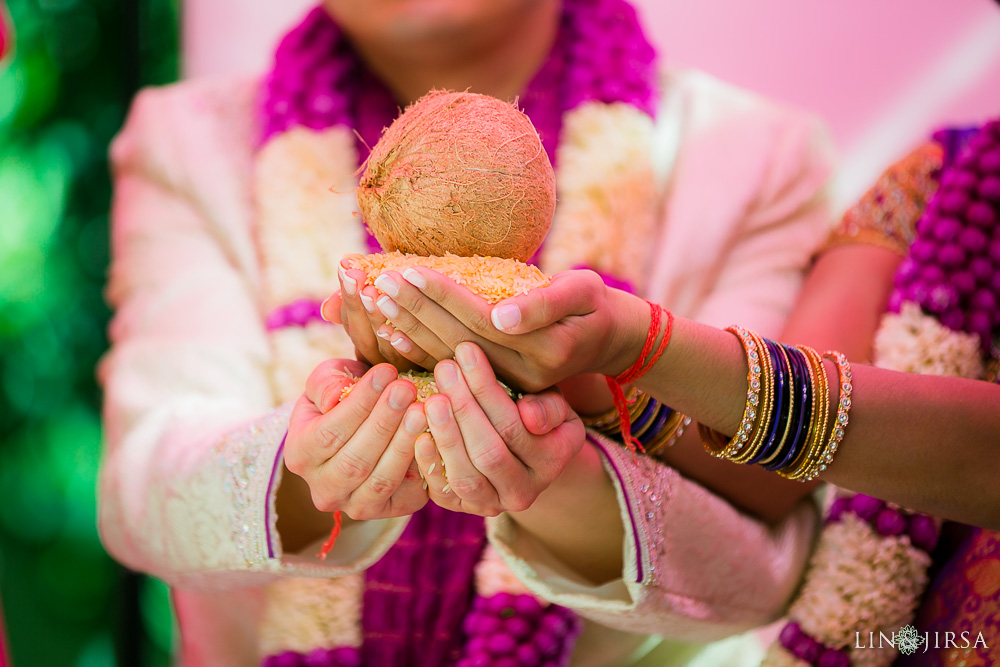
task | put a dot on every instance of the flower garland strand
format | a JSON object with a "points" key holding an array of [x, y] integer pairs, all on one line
{"points": [[869, 569], [600, 58]]}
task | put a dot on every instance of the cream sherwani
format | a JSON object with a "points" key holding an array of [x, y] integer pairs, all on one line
{"points": [[193, 422]]}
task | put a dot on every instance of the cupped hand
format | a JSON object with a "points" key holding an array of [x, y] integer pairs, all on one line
{"points": [[575, 325], [356, 454], [485, 454], [356, 307]]}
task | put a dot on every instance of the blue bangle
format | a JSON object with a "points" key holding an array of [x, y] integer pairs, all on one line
{"points": [[646, 416], [658, 424], [799, 427], [782, 396]]}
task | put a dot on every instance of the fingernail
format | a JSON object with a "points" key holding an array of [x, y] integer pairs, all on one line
{"points": [[401, 344], [350, 285], [438, 413], [413, 277], [466, 357], [539, 414], [399, 397], [368, 303], [446, 375], [388, 307], [506, 317], [383, 335], [382, 377], [387, 285]]}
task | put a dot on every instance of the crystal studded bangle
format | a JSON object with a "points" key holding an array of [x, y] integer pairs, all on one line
{"points": [[760, 396], [821, 451]]}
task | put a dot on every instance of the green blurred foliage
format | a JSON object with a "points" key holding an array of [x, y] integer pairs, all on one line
{"points": [[62, 98]]}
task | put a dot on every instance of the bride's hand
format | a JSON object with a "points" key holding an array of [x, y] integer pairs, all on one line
{"points": [[575, 325]]}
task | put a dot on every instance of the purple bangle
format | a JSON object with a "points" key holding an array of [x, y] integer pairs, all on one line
{"points": [[646, 416], [657, 426], [782, 397], [799, 428]]}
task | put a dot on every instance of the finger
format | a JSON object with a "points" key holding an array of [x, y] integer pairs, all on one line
{"points": [[541, 413], [377, 321], [487, 419], [330, 309], [431, 467], [394, 487], [572, 293], [439, 302], [325, 384], [350, 470], [511, 475], [471, 491], [425, 323], [354, 315], [336, 427], [404, 346]]}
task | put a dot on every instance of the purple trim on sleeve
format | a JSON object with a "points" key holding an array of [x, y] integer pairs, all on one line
{"points": [[267, 497], [628, 505]]}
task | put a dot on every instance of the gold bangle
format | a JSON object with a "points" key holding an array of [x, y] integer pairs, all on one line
{"points": [[670, 433], [610, 418], [760, 396], [845, 377], [819, 415]]}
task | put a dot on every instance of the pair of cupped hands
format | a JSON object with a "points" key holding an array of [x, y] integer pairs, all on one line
{"points": [[370, 455]]}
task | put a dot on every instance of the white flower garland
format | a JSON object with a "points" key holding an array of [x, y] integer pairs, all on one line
{"points": [[606, 185]]}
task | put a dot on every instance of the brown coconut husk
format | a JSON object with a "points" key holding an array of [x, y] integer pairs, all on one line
{"points": [[459, 173]]}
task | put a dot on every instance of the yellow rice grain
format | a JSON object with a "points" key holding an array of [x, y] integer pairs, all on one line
{"points": [[493, 278]]}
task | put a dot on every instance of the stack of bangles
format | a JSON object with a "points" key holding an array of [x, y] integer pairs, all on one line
{"points": [[654, 425], [785, 426]]}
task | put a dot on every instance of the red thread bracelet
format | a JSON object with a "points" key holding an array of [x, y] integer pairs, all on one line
{"points": [[334, 534], [638, 369]]}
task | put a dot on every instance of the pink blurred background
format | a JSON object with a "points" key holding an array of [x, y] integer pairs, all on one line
{"points": [[881, 72]]}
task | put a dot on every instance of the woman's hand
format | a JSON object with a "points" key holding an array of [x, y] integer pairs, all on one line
{"points": [[354, 306], [498, 455], [575, 325], [356, 454]]}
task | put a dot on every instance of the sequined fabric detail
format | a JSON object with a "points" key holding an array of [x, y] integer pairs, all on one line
{"points": [[645, 486], [246, 459], [887, 214]]}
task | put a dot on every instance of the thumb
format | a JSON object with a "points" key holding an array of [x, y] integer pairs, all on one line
{"points": [[570, 293], [542, 413]]}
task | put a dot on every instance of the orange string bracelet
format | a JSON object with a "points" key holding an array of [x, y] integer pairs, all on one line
{"points": [[638, 369], [334, 534]]}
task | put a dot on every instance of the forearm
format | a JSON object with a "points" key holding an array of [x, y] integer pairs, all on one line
{"points": [[927, 443], [898, 444], [577, 519]]}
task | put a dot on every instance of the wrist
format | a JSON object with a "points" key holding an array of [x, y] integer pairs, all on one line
{"points": [[629, 328]]}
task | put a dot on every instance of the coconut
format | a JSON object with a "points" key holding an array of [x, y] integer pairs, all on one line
{"points": [[459, 173]]}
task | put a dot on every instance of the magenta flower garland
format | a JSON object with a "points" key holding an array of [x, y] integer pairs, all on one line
{"points": [[953, 272], [600, 55], [953, 275]]}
